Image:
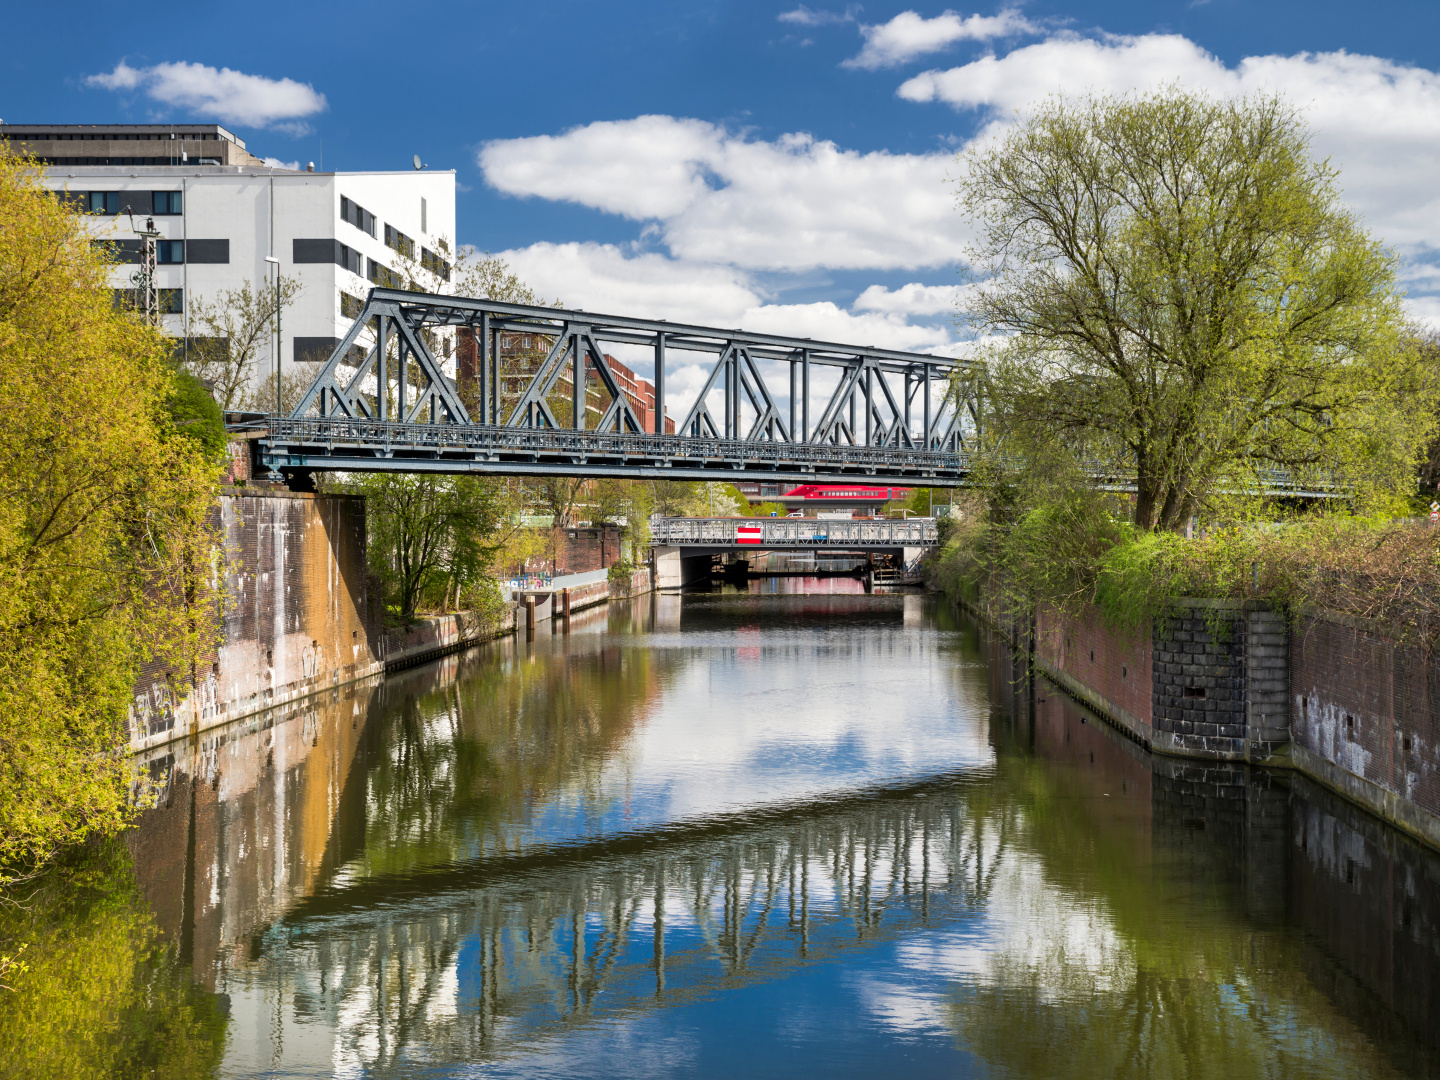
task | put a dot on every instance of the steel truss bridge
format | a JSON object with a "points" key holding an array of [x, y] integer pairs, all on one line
{"points": [[791, 534], [383, 402]]}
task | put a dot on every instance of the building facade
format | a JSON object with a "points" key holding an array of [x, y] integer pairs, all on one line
{"points": [[221, 213]]}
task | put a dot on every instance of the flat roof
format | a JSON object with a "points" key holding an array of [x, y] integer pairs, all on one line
{"points": [[35, 131], [222, 170]]}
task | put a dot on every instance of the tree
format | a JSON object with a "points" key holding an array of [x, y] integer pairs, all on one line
{"points": [[425, 530], [673, 498], [629, 502], [106, 540], [1179, 293], [236, 328]]}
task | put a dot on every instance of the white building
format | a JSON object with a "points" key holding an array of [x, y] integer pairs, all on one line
{"points": [[220, 212]]}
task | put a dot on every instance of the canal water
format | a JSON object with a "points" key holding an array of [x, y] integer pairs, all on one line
{"points": [[786, 831]]}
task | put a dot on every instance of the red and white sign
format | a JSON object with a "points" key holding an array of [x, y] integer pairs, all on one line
{"points": [[749, 534]]}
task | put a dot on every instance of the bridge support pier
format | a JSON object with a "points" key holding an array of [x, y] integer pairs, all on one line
{"points": [[674, 570]]}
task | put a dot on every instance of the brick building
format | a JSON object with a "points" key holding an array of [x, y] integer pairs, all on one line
{"points": [[521, 356]]}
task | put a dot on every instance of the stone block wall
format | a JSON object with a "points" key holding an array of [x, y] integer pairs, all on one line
{"points": [[1200, 681]]}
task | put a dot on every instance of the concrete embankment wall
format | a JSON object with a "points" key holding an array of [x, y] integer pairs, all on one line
{"points": [[299, 615], [302, 616], [1345, 702]]}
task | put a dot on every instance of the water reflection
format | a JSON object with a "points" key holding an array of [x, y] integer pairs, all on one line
{"points": [[743, 832]]}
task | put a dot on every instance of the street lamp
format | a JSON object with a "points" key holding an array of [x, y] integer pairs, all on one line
{"points": [[273, 259]]}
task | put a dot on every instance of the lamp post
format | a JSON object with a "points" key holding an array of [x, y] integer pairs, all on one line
{"points": [[273, 259]]}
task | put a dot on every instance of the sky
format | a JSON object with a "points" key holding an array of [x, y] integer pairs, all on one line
{"points": [[773, 166]]}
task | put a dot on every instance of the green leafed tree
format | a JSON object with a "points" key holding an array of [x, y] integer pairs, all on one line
{"points": [[1176, 290], [431, 535], [107, 546]]}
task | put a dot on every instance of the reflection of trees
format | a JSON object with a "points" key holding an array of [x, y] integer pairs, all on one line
{"points": [[103, 996], [461, 764], [1149, 945], [1225, 1023]]}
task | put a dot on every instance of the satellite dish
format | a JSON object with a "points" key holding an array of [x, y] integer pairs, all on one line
{"points": [[418, 166]]}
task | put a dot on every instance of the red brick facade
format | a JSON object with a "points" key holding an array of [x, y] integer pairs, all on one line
{"points": [[1367, 705], [1116, 666]]}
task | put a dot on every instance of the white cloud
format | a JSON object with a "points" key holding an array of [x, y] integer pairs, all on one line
{"points": [[714, 196], [603, 279], [231, 97], [276, 163], [911, 299], [804, 16], [909, 35], [1377, 120]]}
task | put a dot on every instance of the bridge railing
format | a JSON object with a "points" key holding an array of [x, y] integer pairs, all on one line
{"points": [[357, 443], [793, 532]]}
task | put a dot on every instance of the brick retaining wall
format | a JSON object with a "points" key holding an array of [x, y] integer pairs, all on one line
{"points": [[1225, 680]]}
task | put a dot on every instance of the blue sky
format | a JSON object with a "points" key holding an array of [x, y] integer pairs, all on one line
{"points": [[770, 165]]}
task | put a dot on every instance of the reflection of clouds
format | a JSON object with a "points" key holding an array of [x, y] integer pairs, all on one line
{"points": [[828, 710], [1034, 934], [903, 1007]]}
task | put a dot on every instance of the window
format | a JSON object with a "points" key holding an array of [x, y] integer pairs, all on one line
{"points": [[167, 202], [382, 275], [397, 240], [169, 251], [350, 306], [423, 208], [104, 202], [348, 258], [169, 301], [434, 263], [357, 215], [207, 251]]}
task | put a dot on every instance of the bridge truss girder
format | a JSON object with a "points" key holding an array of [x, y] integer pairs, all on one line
{"points": [[384, 401]]}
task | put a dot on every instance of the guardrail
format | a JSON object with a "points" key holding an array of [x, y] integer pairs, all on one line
{"points": [[793, 533]]}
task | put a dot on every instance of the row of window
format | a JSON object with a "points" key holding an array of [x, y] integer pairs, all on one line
{"points": [[382, 275], [357, 215], [398, 241], [170, 301], [136, 202], [348, 258], [53, 136], [170, 252], [50, 159], [434, 263]]}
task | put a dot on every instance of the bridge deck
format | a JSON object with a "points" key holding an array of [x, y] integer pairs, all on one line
{"points": [[363, 445]]}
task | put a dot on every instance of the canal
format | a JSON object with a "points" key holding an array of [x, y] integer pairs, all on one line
{"points": [[786, 830]]}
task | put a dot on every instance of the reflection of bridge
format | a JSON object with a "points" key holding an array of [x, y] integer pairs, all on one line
{"points": [[478, 960], [383, 402]]}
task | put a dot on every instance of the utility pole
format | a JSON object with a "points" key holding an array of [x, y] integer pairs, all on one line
{"points": [[278, 358], [144, 278]]}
